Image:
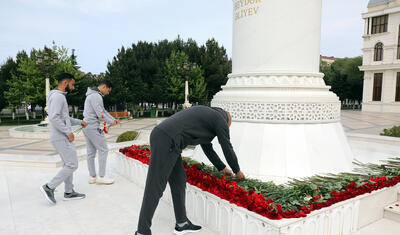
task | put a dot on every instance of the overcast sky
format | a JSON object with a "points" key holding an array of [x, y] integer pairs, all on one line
{"points": [[97, 28]]}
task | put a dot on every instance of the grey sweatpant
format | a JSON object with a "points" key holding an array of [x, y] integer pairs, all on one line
{"points": [[69, 158], [96, 142], [165, 166]]}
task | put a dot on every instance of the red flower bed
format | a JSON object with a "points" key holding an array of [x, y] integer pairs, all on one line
{"points": [[232, 192]]}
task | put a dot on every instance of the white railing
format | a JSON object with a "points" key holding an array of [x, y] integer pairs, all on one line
{"points": [[223, 218]]}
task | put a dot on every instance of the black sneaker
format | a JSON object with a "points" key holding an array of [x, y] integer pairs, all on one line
{"points": [[48, 193], [187, 228], [73, 196]]}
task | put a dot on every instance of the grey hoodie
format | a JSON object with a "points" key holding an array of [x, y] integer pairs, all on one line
{"points": [[60, 121], [200, 125], [94, 110]]}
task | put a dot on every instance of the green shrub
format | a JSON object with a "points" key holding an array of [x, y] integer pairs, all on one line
{"points": [[394, 131], [127, 136]]}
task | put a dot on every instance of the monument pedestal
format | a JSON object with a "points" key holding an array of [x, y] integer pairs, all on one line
{"points": [[286, 122], [277, 152]]}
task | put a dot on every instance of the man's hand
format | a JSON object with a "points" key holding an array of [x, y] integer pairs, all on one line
{"points": [[116, 122], [240, 175], [71, 137], [227, 172], [84, 124]]}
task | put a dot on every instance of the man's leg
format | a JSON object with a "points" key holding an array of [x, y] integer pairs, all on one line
{"points": [[100, 143], [177, 183], [90, 151], [162, 162], [68, 155]]}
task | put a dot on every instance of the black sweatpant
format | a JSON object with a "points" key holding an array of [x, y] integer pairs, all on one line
{"points": [[165, 166]]}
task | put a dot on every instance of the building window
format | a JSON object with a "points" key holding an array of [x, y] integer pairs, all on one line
{"points": [[377, 92], [379, 24], [397, 99], [368, 25], [398, 44], [378, 52]]}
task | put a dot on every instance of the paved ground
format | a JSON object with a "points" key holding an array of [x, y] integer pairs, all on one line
{"points": [[368, 123], [10, 145], [353, 121], [107, 209]]}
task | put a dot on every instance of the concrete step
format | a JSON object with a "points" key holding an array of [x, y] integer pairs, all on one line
{"points": [[381, 227], [392, 212]]}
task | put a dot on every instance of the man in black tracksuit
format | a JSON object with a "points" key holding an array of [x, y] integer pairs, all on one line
{"points": [[192, 126]]}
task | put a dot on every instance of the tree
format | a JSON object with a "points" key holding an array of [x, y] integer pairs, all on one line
{"points": [[6, 71], [122, 73], [197, 86], [344, 77], [78, 96], [28, 83], [216, 66], [176, 79], [141, 74], [14, 93]]}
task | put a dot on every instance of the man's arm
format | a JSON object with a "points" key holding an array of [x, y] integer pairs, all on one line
{"points": [[98, 106], [225, 142], [55, 109], [75, 121], [213, 156]]}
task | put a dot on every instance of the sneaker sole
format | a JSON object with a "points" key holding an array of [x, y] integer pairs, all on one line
{"points": [[186, 231], [45, 195], [104, 183], [74, 198]]}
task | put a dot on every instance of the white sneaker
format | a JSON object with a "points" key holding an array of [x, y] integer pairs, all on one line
{"points": [[92, 180], [104, 180]]}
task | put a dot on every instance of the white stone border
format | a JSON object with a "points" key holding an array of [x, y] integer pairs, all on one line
{"points": [[277, 79], [228, 219]]}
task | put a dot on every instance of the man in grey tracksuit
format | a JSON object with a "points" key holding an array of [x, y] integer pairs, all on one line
{"points": [[192, 126], [95, 115], [61, 137]]}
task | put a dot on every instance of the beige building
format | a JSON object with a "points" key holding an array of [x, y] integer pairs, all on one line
{"points": [[381, 56], [328, 59]]}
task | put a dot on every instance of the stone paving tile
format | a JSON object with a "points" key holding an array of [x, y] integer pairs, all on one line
{"points": [[107, 209], [4, 134], [12, 142], [356, 125], [42, 145], [5, 128], [27, 152]]}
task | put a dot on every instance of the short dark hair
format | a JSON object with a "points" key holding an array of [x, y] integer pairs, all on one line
{"points": [[64, 76], [107, 83]]}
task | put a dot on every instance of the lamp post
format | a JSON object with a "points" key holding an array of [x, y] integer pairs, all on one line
{"points": [[46, 64], [186, 69]]}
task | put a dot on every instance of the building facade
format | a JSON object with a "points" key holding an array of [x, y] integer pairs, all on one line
{"points": [[381, 56]]}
